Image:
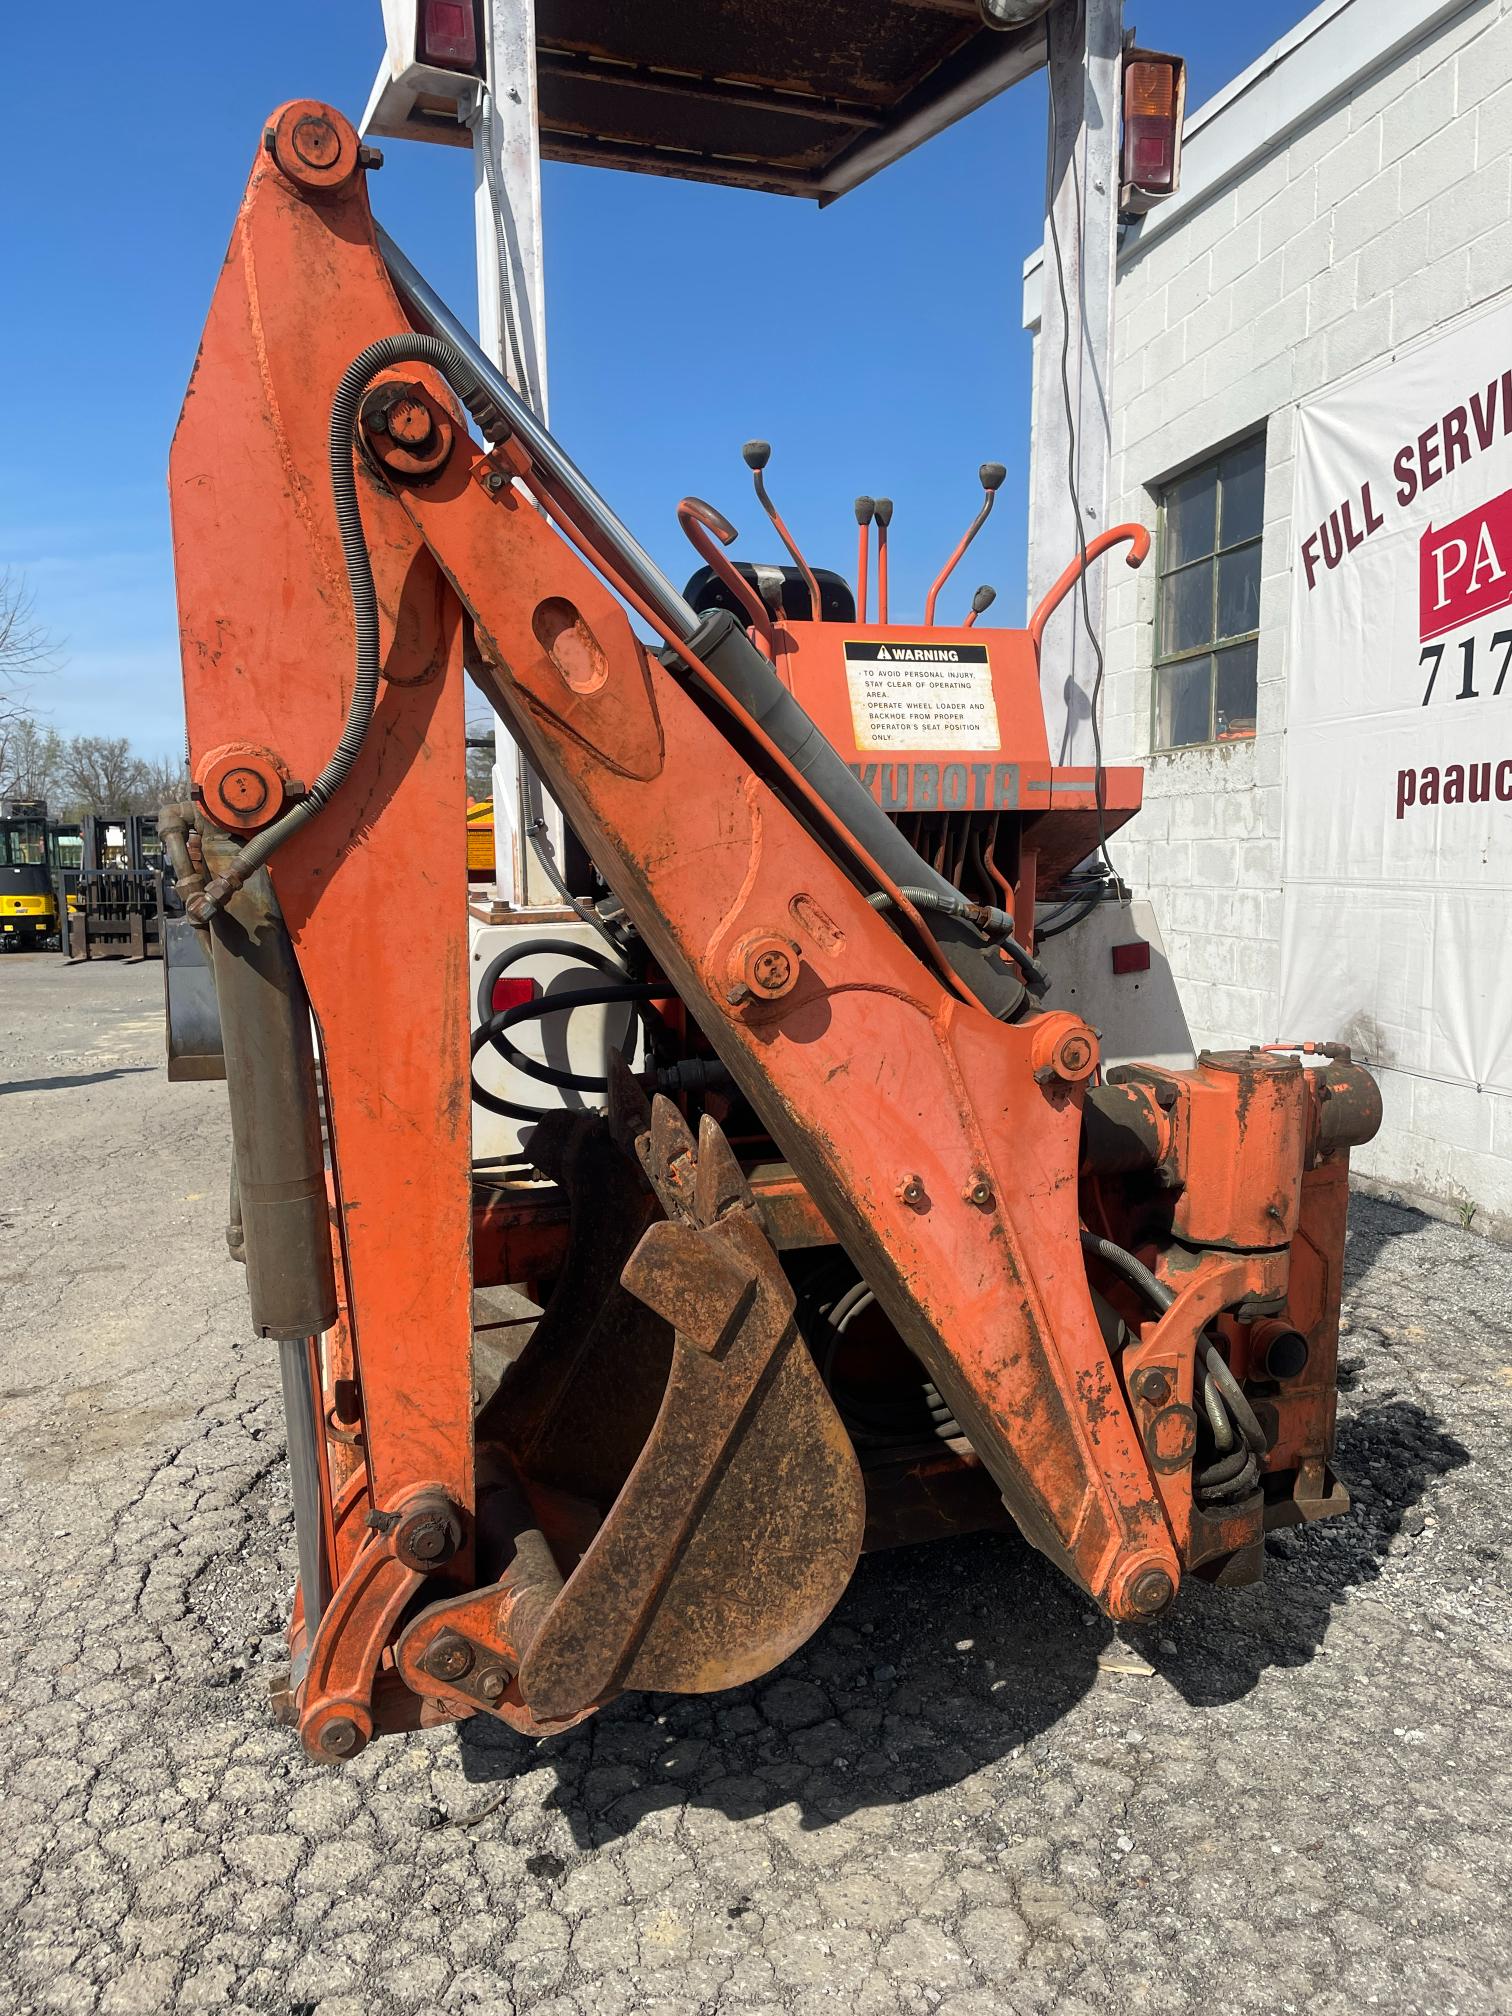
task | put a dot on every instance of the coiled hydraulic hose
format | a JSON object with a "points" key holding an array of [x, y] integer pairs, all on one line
{"points": [[496, 1028], [1224, 1400], [379, 356], [897, 1418]]}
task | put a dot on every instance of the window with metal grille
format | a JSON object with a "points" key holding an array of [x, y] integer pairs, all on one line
{"points": [[1208, 615]]}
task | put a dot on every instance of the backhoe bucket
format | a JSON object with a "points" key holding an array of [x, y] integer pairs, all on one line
{"points": [[678, 1393]]}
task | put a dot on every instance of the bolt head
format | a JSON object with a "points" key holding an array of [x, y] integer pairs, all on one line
{"points": [[245, 789], [491, 1682], [766, 964], [450, 1657], [771, 971], [410, 423], [979, 1194], [1153, 1387], [340, 1737], [911, 1191], [316, 142], [1063, 1048], [428, 1535], [1151, 1592], [428, 1542]]}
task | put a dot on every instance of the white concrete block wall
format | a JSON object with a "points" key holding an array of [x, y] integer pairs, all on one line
{"points": [[1380, 217]]}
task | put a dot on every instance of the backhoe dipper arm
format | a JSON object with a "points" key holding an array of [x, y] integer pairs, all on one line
{"points": [[940, 1142]]}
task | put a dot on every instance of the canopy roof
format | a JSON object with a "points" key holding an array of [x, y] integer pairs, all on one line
{"points": [[799, 97]]}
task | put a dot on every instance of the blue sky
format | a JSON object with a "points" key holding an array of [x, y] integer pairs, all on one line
{"points": [[883, 352]]}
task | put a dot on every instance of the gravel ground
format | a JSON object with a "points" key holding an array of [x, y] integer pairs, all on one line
{"points": [[964, 1796]]}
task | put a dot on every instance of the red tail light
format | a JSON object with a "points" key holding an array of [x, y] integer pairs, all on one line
{"points": [[511, 993], [1152, 123], [449, 35]]}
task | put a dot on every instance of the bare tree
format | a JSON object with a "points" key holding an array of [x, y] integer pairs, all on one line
{"points": [[31, 760], [101, 774], [25, 649], [163, 780]]}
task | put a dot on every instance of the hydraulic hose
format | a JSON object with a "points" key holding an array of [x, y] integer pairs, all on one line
{"points": [[996, 924], [1217, 1369], [497, 1027], [1224, 1400], [494, 1030], [540, 948], [1060, 922], [387, 351], [535, 834], [1135, 1271]]}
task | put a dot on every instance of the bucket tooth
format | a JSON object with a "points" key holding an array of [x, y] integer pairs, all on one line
{"points": [[629, 1110], [719, 1185], [668, 1156]]}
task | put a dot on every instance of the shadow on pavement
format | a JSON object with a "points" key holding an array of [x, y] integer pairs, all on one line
{"points": [[944, 1659], [67, 1083], [1388, 1456]]}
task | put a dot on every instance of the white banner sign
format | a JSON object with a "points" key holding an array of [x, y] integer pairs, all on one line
{"points": [[1397, 842]]}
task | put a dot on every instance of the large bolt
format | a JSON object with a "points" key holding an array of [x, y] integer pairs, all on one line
{"points": [[340, 1737], [404, 430], [1154, 1387], [428, 1534], [491, 1682], [410, 423], [428, 1540], [1063, 1048], [911, 1192], [765, 964], [771, 971], [1150, 1592], [317, 142], [450, 1657], [245, 789]]}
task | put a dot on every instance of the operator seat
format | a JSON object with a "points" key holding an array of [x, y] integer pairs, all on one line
{"points": [[837, 604]]}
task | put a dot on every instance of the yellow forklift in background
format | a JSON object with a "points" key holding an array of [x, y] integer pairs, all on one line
{"points": [[38, 856]]}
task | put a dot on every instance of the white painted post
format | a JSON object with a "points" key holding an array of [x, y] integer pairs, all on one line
{"points": [[1076, 351], [512, 329]]}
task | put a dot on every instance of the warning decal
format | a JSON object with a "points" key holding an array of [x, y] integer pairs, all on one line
{"points": [[921, 696]]}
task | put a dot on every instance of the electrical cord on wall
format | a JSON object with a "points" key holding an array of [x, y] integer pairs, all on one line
{"points": [[1084, 600]]}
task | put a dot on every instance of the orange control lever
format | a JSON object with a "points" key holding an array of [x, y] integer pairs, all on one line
{"points": [[694, 516], [1139, 544]]}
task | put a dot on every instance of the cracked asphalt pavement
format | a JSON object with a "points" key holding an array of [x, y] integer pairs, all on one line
{"points": [[965, 1795]]}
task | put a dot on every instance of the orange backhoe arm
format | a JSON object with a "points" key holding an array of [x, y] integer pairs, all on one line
{"points": [[939, 1138]]}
